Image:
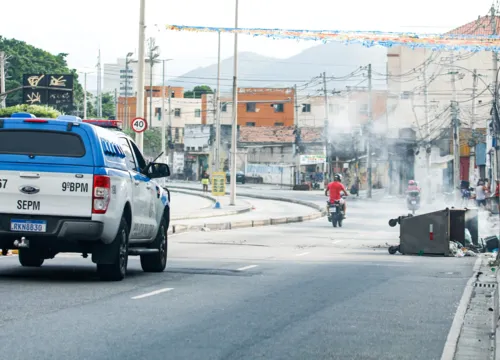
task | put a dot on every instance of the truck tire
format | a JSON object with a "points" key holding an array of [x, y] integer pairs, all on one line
{"points": [[157, 262], [117, 270], [30, 258]]}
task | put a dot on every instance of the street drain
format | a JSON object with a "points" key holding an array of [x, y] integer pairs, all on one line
{"points": [[485, 285], [219, 243], [216, 272]]}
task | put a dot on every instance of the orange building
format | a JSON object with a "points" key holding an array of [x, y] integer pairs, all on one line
{"points": [[127, 107], [258, 107]]}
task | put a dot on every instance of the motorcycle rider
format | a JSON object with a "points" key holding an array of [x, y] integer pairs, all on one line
{"points": [[412, 188], [335, 188]]}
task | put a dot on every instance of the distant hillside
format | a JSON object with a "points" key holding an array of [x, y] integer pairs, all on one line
{"points": [[256, 70]]}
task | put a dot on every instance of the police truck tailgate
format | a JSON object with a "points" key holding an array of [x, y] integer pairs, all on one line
{"points": [[46, 193]]}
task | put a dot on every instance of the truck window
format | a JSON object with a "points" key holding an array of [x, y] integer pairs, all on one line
{"points": [[140, 159], [41, 143], [129, 158]]}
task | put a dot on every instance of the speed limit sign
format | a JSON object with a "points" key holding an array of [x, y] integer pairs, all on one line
{"points": [[139, 125]]}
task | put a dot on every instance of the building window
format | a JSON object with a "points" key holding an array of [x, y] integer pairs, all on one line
{"points": [[279, 124], [250, 124], [334, 109], [363, 109], [177, 112], [172, 93], [158, 113], [279, 107], [197, 113], [251, 107], [306, 108], [224, 107], [177, 135]]}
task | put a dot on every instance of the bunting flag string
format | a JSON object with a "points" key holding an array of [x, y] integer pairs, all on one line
{"points": [[453, 42]]}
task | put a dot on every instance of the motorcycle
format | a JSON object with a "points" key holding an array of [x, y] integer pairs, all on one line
{"points": [[413, 201], [335, 213]]}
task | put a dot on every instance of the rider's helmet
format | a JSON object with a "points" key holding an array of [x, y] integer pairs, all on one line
{"points": [[337, 177], [411, 182]]}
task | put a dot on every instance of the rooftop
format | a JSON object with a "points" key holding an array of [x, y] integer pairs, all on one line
{"points": [[482, 26], [278, 134]]}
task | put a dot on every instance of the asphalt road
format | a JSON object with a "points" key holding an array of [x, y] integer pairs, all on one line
{"points": [[296, 291]]}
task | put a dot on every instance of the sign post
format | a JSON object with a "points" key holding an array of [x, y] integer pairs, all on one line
{"points": [[218, 186], [139, 125]]}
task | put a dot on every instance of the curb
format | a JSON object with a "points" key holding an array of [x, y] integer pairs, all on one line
{"points": [[178, 229], [211, 198]]}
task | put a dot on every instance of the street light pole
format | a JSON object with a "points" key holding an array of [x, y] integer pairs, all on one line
{"points": [[217, 111], [234, 135], [162, 113], [140, 70]]}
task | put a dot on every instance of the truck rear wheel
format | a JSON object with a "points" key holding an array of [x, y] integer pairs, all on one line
{"points": [[30, 258], [157, 262], [118, 269]]}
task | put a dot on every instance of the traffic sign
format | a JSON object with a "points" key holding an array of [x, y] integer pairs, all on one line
{"points": [[139, 125], [219, 184]]}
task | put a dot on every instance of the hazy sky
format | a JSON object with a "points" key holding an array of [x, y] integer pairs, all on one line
{"points": [[80, 28]]}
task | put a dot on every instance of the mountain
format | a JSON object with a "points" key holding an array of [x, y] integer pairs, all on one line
{"points": [[254, 70]]}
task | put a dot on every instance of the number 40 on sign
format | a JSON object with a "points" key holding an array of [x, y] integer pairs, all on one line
{"points": [[139, 125]]}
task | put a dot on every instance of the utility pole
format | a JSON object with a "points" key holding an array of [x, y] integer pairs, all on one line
{"points": [[326, 129], [162, 114], [139, 138], [368, 142], [295, 148], [169, 135], [99, 84], [151, 58], [2, 78], [217, 111], [125, 106], [495, 171], [428, 147], [116, 104], [234, 130], [85, 95], [456, 130], [472, 158]]}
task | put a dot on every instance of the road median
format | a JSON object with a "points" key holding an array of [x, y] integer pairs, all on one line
{"points": [[239, 224]]}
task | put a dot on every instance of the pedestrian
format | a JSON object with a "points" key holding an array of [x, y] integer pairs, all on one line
{"points": [[497, 194], [480, 194], [205, 180]]}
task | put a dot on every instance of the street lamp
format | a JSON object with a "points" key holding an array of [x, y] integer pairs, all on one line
{"points": [[162, 113], [127, 62], [234, 135], [140, 69]]}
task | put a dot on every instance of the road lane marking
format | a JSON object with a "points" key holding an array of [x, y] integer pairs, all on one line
{"points": [[302, 254], [337, 241], [156, 292], [247, 267]]}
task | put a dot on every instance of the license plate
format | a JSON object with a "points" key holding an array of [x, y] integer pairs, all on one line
{"points": [[38, 226], [413, 202], [333, 209]]}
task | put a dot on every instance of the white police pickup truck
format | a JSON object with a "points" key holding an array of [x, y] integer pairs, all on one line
{"points": [[68, 185]]}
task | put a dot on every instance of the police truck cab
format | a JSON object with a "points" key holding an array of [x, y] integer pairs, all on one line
{"points": [[80, 186]]}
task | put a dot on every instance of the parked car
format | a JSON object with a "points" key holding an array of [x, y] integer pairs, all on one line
{"points": [[240, 177]]}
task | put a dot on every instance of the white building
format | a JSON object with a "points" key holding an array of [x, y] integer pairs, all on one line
{"points": [[183, 111], [124, 80]]}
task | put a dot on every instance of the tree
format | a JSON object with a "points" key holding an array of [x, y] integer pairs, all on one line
{"points": [[27, 59], [108, 106], [198, 91], [37, 110]]}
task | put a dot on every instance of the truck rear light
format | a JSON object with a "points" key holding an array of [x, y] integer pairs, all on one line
{"points": [[101, 194]]}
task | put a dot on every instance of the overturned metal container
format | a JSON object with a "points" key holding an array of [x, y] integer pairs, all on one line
{"points": [[431, 233]]}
